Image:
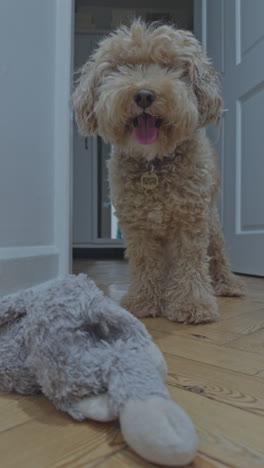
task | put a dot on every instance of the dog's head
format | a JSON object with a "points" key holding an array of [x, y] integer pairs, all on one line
{"points": [[150, 86]]}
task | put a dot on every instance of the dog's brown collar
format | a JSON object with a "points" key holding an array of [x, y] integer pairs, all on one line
{"points": [[155, 164]]}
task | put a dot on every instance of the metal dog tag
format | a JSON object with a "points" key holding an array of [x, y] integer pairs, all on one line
{"points": [[149, 180]]}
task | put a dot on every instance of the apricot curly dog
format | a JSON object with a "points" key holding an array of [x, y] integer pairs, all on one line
{"points": [[150, 91]]}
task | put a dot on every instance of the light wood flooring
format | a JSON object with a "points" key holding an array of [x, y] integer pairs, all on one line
{"points": [[216, 372]]}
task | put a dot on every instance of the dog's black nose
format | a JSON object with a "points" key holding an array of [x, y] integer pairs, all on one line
{"points": [[144, 98]]}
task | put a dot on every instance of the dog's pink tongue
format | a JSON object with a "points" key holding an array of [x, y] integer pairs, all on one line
{"points": [[146, 132]]}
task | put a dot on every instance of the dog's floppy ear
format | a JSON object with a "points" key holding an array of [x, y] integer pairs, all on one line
{"points": [[83, 100], [204, 80], [205, 83]]}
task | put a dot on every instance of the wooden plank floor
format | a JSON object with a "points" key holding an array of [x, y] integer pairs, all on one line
{"points": [[216, 372]]}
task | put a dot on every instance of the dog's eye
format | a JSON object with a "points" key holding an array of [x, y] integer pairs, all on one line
{"points": [[170, 68], [185, 75]]}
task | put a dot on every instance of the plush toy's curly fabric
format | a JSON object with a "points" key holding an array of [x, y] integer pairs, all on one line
{"points": [[94, 360], [69, 342]]}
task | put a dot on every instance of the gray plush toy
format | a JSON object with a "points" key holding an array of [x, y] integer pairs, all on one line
{"points": [[94, 360]]}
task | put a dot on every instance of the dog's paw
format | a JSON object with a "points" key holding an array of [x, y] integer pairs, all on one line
{"points": [[231, 286], [140, 306], [193, 311]]}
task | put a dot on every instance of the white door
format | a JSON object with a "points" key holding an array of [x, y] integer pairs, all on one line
{"points": [[232, 32], [35, 123], [243, 129]]}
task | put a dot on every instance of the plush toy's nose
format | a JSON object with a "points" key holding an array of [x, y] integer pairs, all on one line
{"points": [[144, 98]]}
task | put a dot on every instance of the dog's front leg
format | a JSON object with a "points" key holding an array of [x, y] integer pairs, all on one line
{"points": [[189, 296], [147, 270]]}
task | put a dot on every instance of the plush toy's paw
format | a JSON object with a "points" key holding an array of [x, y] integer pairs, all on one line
{"points": [[159, 430], [98, 408], [230, 286], [156, 356], [195, 311], [140, 306]]}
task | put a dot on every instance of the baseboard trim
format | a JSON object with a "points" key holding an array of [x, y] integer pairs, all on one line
{"points": [[25, 267], [99, 253]]}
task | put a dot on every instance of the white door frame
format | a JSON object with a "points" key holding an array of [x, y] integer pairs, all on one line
{"points": [[63, 134], [200, 20]]}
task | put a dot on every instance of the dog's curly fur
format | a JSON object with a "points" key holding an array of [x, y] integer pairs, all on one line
{"points": [[172, 233]]}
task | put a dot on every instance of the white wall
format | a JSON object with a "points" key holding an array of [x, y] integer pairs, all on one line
{"points": [[29, 41], [27, 122]]}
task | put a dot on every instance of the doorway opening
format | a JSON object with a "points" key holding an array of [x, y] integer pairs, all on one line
{"points": [[95, 228]]}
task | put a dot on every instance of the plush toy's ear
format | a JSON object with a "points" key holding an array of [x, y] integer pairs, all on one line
{"points": [[205, 83], [13, 307], [83, 100]]}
